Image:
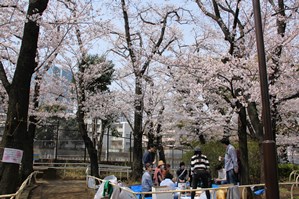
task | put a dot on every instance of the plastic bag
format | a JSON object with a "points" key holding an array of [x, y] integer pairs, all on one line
{"points": [[99, 193], [91, 183]]}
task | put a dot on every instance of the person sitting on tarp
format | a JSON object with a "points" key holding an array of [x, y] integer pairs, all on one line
{"points": [[147, 182], [169, 183], [182, 173]]}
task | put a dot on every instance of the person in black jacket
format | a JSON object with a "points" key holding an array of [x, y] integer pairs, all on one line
{"points": [[182, 173]]}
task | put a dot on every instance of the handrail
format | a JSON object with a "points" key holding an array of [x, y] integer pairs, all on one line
{"points": [[293, 173], [26, 182], [65, 166], [201, 189], [79, 164]]}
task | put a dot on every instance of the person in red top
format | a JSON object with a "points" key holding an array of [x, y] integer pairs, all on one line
{"points": [[158, 177]]}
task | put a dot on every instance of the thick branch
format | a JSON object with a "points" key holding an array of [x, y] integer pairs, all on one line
{"points": [[128, 34], [159, 42], [294, 96], [4, 79], [217, 19]]}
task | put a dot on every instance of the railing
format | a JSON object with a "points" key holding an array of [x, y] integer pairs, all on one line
{"points": [[294, 175], [83, 166], [26, 183], [242, 188]]}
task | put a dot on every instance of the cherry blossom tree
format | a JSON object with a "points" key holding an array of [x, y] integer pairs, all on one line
{"points": [[234, 88], [18, 91], [147, 32]]}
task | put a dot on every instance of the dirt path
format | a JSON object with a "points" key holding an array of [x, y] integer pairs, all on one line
{"points": [[61, 189]]}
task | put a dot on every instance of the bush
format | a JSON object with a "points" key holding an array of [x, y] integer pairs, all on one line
{"points": [[284, 170]]}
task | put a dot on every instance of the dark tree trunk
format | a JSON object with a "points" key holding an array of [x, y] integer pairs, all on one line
{"points": [[276, 56], [244, 170], [159, 138], [90, 146], [151, 135], [258, 128], [15, 133], [92, 152], [161, 149], [27, 161], [137, 134]]}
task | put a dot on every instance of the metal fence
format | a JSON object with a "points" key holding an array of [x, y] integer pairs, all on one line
{"points": [[75, 150]]}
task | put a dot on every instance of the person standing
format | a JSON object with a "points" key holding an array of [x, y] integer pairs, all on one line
{"points": [[230, 162], [149, 155], [147, 182], [200, 171]]}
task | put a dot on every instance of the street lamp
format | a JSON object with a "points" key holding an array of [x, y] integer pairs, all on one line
{"points": [[269, 146]]}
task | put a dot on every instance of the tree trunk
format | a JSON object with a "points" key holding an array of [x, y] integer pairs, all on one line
{"points": [[258, 128], [137, 148], [100, 142], [244, 170], [161, 149], [92, 152], [90, 146], [105, 125], [151, 135], [27, 161], [15, 133]]}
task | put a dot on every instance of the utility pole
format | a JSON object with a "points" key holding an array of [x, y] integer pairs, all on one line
{"points": [[56, 141], [130, 148], [269, 146]]}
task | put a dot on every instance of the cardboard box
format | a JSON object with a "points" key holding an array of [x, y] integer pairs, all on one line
{"points": [[162, 195]]}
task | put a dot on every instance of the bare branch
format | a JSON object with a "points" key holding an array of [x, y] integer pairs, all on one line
{"points": [[294, 96], [49, 58], [128, 35], [217, 19], [159, 42], [4, 79]]}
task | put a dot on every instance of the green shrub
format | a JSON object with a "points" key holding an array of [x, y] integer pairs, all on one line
{"points": [[284, 170], [254, 162]]}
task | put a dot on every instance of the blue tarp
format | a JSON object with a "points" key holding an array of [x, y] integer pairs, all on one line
{"points": [[259, 192], [138, 188]]}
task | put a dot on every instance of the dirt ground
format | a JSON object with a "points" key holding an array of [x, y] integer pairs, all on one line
{"points": [[77, 189], [61, 189]]}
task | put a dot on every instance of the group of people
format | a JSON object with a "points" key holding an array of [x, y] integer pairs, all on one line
{"points": [[199, 170], [162, 175]]}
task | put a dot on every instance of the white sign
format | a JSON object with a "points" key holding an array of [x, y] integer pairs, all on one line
{"points": [[11, 155]]}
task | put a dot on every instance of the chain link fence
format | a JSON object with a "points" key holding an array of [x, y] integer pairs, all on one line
{"points": [[49, 150]]}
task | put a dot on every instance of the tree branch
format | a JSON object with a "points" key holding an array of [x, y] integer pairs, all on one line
{"points": [[294, 96], [128, 35], [159, 42], [217, 18], [4, 79]]}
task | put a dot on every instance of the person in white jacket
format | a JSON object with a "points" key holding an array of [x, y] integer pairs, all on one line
{"points": [[169, 183]]}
